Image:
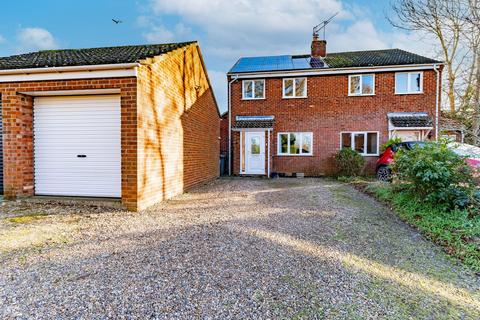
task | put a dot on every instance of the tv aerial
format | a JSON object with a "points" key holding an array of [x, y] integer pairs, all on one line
{"points": [[322, 26]]}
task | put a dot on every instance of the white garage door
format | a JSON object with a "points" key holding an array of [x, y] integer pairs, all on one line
{"points": [[77, 146]]}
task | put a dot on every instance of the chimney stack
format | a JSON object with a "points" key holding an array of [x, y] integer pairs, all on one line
{"points": [[319, 47]]}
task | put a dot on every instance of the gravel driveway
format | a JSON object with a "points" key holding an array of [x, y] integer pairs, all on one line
{"points": [[237, 248]]}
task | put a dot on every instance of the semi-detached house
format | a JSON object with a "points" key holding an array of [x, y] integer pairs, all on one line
{"points": [[292, 113]]}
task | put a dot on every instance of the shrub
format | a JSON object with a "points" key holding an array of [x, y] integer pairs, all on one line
{"points": [[390, 141], [349, 163], [436, 175]]}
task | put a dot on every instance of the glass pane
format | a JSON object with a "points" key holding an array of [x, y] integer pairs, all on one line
{"points": [[367, 84], [259, 89], [372, 143], [355, 85], [346, 140], [415, 82], [284, 143], [255, 145], [306, 143], [359, 140], [294, 144], [401, 80], [247, 89], [300, 87], [288, 89]]}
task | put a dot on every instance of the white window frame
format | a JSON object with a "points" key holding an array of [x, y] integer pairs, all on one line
{"points": [[253, 89], [300, 134], [294, 88], [361, 85], [352, 141], [409, 90]]}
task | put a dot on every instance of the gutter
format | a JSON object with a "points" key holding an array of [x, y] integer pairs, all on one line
{"points": [[235, 77], [437, 102], [114, 66], [327, 71]]}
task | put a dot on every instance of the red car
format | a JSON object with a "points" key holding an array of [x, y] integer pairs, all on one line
{"points": [[386, 158], [471, 154]]}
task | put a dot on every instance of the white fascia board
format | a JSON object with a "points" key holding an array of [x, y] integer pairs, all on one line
{"points": [[67, 73], [71, 92], [327, 71]]}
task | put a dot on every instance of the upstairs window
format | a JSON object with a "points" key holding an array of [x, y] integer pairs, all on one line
{"points": [[365, 143], [361, 85], [295, 88], [408, 82], [295, 143], [253, 89]]}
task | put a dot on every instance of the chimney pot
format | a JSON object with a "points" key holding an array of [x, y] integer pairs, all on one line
{"points": [[319, 47]]}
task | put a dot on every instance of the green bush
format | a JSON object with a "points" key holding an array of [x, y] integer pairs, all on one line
{"points": [[457, 231], [349, 163], [436, 175], [390, 141]]}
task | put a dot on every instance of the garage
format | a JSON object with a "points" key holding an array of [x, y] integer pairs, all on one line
{"points": [[77, 146], [1, 149]]}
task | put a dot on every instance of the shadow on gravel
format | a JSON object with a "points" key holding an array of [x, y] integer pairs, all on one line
{"points": [[285, 248]]}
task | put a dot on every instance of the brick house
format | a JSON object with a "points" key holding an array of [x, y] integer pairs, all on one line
{"points": [[131, 122], [291, 114]]}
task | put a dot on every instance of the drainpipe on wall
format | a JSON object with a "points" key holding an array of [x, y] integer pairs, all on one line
{"points": [[234, 78], [437, 103]]}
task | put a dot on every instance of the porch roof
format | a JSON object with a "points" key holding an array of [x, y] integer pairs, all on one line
{"points": [[410, 120], [254, 122]]}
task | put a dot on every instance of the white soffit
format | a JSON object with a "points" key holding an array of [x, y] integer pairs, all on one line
{"points": [[71, 92], [68, 73]]}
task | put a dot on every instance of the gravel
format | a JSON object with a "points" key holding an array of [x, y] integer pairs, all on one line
{"points": [[236, 248]]}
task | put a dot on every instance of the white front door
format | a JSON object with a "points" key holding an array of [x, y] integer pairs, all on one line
{"points": [[255, 152]]}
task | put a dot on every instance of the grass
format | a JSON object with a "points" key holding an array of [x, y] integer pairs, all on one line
{"points": [[457, 231], [25, 219]]}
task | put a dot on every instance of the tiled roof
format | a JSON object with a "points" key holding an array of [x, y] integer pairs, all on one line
{"points": [[372, 58], [410, 120], [254, 122], [91, 56]]}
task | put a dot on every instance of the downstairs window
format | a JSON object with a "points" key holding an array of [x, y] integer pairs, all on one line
{"points": [[365, 143]]}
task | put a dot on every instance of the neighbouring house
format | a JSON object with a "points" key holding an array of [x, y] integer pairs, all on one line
{"points": [[292, 113], [138, 123], [452, 129]]}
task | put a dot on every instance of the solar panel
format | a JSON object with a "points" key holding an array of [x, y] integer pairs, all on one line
{"points": [[276, 63]]}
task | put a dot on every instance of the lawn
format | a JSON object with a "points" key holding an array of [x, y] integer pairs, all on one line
{"points": [[457, 231]]}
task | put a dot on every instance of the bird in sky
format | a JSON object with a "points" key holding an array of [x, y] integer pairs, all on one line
{"points": [[117, 21]]}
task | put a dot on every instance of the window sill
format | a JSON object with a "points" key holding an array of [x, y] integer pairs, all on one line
{"points": [[294, 97], [407, 93], [294, 155], [249, 99], [361, 95]]}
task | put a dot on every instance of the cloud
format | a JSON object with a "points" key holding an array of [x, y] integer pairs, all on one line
{"points": [[2, 39], [228, 30], [218, 80], [158, 33], [30, 39]]}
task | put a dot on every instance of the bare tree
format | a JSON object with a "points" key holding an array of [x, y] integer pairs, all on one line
{"points": [[444, 19], [473, 34]]}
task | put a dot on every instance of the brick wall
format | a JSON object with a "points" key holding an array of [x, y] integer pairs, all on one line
{"points": [[224, 134], [326, 112], [18, 132], [178, 126]]}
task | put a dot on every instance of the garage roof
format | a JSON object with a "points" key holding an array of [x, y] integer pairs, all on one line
{"points": [[90, 56]]}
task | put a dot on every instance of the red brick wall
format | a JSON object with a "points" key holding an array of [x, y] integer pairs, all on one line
{"points": [[224, 134], [326, 112], [18, 132], [178, 126]]}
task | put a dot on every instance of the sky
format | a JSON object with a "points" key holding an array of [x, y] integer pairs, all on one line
{"points": [[225, 29]]}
